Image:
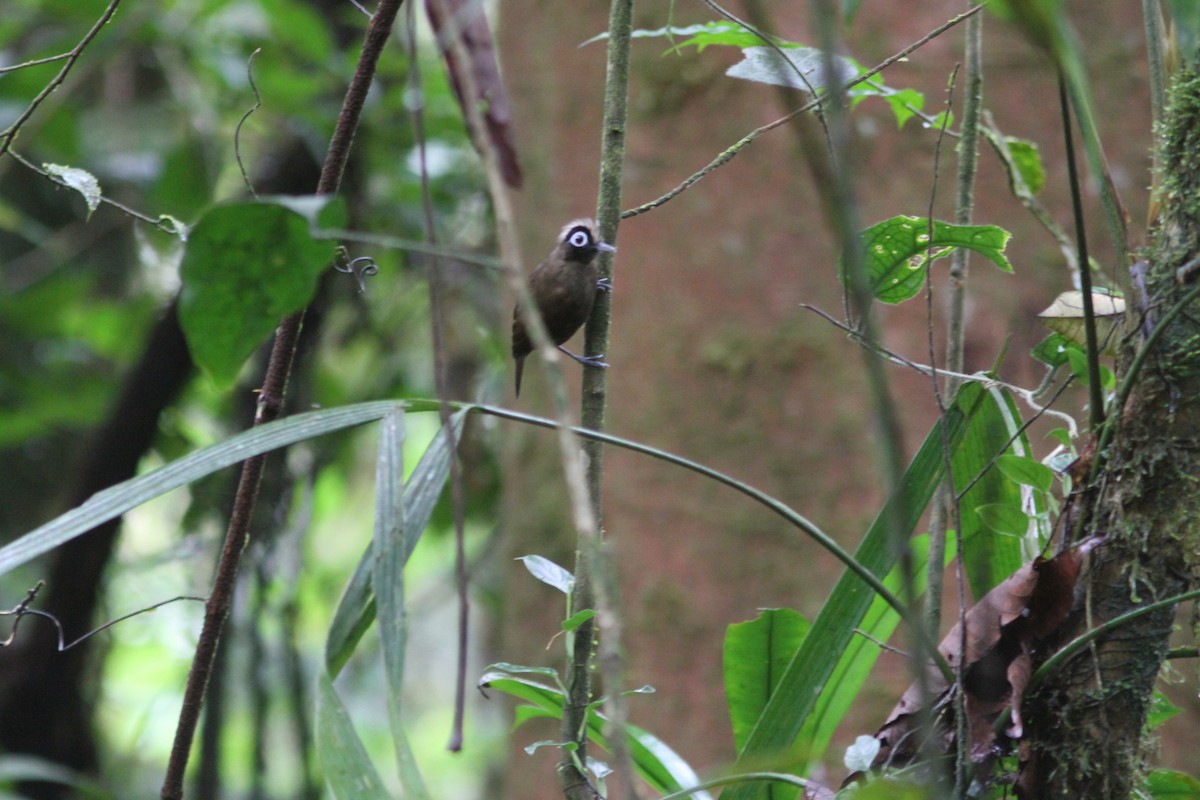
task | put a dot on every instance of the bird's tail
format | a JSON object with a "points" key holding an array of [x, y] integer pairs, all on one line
{"points": [[520, 369]]}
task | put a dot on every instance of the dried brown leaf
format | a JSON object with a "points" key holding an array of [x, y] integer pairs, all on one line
{"points": [[1001, 632]]}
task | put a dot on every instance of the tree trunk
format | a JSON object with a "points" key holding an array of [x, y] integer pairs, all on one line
{"points": [[1086, 725]]}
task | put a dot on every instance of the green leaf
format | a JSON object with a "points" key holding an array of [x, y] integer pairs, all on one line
{"points": [[756, 655], [1165, 784], [904, 103], [548, 572], [573, 622], [658, 764], [1004, 518], [1161, 710], [989, 559], [1108, 379], [356, 609], [247, 265], [348, 770], [1078, 360], [1027, 163], [1026, 470], [1053, 350], [896, 251], [118, 499], [81, 181]]}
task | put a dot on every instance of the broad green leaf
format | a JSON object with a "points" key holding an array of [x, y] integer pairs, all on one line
{"points": [[1078, 361], [81, 181], [1022, 162], [356, 609], [1161, 710], [988, 558], [658, 764], [548, 572], [116, 500], [1003, 518], [756, 654], [573, 622], [904, 103], [897, 252], [1027, 163], [1026, 470], [1053, 350], [1165, 784], [247, 265], [807, 676], [348, 770]]}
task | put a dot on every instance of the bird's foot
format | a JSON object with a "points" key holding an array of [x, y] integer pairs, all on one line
{"points": [[604, 285], [587, 361]]}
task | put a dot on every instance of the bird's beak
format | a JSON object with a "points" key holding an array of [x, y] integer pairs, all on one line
{"points": [[606, 247]]}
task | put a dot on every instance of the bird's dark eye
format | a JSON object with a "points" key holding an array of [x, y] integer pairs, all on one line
{"points": [[579, 239]]}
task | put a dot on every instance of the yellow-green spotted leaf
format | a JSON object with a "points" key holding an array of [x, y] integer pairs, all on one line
{"points": [[897, 252]]}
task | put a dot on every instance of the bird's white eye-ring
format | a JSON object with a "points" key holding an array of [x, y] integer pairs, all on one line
{"points": [[579, 239]]}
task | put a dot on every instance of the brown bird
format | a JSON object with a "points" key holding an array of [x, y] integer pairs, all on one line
{"points": [[564, 288]]}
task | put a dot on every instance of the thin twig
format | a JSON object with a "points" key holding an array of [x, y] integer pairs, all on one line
{"points": [[1095, 390], [23, 609], [163, 223], [437, 325], [936, 554], [237, 131], [727, 155], [964, 205], [937, 543], [1027, 395], [35, 62], [9, 134]]}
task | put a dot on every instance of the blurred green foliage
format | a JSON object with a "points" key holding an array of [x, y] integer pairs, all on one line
{"points": [[150, 109]]}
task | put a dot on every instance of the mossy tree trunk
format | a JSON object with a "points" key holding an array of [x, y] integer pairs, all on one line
{"points": [[1086, 725]]}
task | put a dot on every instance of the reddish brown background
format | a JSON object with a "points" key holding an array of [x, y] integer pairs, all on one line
{"points": [[712, 356]]}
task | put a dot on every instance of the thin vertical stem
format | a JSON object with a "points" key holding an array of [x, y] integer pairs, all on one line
{"points": [[270, 407], [595, 566], [1095, 391], [437, 334]]}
